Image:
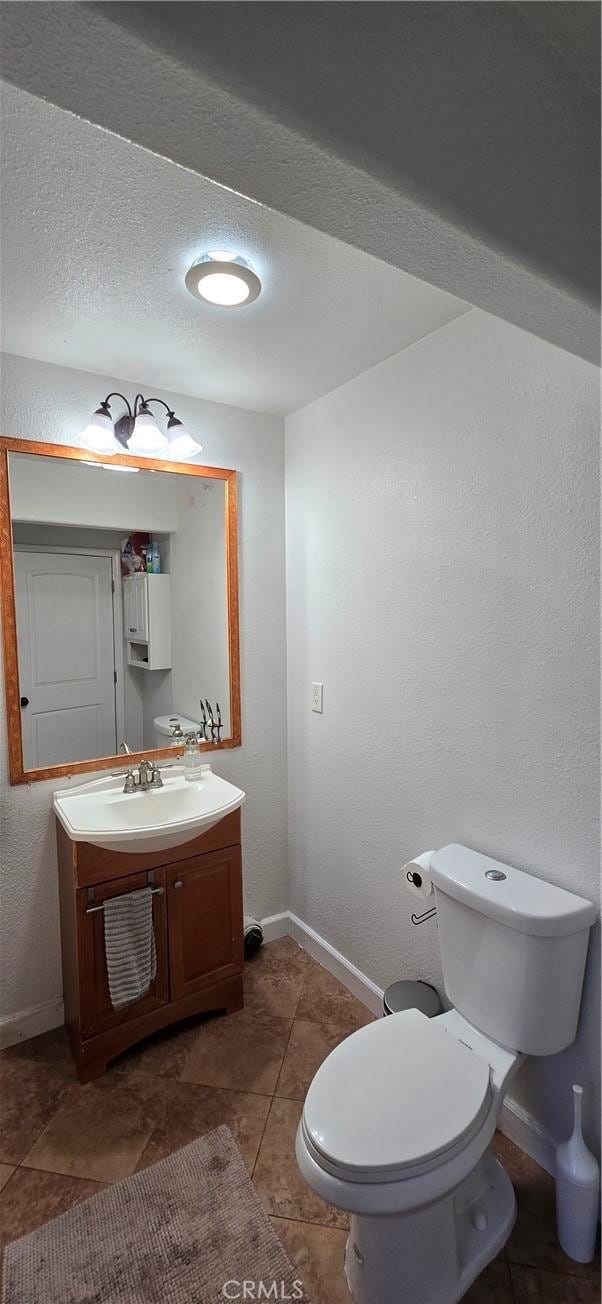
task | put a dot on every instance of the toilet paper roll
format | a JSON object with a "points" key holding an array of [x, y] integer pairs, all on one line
{"points": [[417, 877]]}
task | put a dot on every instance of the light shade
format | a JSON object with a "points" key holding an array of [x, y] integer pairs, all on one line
{"points": [[181, 443], [224, 288], [228, 284], [146, 437], [98, 435]]}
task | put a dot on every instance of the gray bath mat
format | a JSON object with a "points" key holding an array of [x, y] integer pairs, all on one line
{"points": [[187, 1230]]}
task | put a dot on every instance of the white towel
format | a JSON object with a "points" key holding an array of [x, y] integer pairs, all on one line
{"points": [[129, 946]]}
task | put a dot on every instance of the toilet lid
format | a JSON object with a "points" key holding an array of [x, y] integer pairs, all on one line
{"points": [[395, 1096]]}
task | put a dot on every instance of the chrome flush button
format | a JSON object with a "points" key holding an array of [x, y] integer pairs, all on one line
{"points": [[495, 874]]}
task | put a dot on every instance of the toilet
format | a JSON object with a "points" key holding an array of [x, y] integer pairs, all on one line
{"points": [[398, 1120], [164, 729]]}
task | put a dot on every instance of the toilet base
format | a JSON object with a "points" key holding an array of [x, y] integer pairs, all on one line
{"points": [[432, 1255]]}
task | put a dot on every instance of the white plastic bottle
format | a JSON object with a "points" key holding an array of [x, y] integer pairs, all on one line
{"points": [[193, 759], [577, 1191]]}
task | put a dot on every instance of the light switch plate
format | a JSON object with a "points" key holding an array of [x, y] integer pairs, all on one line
{"points": [[317, 698]]}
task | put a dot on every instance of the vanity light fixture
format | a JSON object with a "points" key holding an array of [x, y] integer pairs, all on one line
{"points": [[223, 279], [146, 438], [137, 431], [98, 435]]}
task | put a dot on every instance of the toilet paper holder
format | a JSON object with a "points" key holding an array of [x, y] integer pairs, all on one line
{"points": [[412, 877], [421, 919]]}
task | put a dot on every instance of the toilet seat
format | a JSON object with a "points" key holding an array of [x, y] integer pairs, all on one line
{"points": [[395, 1099]]}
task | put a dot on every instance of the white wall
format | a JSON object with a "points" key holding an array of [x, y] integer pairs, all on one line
{"points": [[74, 494], [43, 402], [442, 583], [199, 597]]}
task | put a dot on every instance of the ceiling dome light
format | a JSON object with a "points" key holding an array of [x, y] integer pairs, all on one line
{"points": [[226, 290], [146, 437], [224, 280], [181, 443], [98, 436]]}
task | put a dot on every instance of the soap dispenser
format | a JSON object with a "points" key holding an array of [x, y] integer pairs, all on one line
{"points": [[192, 757]]}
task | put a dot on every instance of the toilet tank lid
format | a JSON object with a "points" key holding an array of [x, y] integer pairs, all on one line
{"points": [[164, 723], [508, 895]]}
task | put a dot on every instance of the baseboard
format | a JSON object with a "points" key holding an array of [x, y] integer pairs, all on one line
{"points": [[514, 1121], [351, 977], [275, 926], [30, 1023], [527, 1134]]}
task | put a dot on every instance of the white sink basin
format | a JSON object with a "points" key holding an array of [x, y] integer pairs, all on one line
{"points": [[101, 813]]}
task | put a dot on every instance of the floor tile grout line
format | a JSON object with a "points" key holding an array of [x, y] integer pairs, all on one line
{"points": [[204, 1086], [23, 1160], [261, 1139], [562, 1273], [271, 1102], [309, 1222], [306, 1222], [288, 1042], [510, 1281], [556, 1271]]}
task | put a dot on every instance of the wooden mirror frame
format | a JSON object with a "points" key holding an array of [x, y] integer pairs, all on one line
{"points": [[18, 774]]}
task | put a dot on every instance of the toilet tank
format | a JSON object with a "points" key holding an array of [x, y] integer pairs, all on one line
{"points": [[513, 949], [164, 727]]}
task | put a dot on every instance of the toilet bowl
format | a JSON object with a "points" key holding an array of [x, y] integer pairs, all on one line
{"points": [[398, 1120], [406, 1153]]}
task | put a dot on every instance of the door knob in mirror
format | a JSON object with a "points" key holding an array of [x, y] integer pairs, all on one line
{"points": [[24, 701]]}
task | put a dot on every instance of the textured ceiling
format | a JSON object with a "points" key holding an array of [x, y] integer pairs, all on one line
{"points": [[449, 140], [98, 233]]}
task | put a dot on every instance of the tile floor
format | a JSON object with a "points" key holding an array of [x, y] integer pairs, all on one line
{"points": [[60, 1142]]}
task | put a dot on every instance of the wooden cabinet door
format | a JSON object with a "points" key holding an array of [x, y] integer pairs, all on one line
{"points": [[205, 924], [96, 1012]]}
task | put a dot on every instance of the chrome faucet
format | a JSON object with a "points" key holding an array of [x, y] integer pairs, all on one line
{"points": [[123, 747], [146, 776]]}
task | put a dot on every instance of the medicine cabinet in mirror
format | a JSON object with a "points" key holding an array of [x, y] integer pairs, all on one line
{"points": [[120, 608]]}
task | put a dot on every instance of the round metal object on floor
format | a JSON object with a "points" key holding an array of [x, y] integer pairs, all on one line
{"points": [[407, 995]]}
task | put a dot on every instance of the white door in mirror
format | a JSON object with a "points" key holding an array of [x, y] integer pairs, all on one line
{"points": [[66, 656]]}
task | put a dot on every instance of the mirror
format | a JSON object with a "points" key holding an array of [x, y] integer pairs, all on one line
{"points": [[122, 611]]}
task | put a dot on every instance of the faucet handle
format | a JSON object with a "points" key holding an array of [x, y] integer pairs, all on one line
{"points": [[156, 780], [130, 782]]}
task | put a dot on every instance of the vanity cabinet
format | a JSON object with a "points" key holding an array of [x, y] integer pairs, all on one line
{"points": [[198, 924]]}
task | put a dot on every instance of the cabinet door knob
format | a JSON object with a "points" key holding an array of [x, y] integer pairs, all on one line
{"points": [[178, 883]]}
